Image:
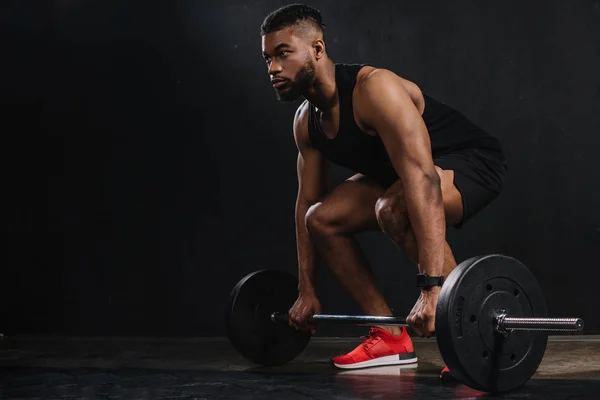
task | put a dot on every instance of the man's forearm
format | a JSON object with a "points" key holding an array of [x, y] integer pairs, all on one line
{"points": [[306, 254], [426, 210]]}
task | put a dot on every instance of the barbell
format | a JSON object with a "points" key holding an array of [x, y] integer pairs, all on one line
{"points": [[491, 325]]}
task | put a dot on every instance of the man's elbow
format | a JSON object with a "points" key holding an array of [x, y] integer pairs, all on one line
{"points": [[434, 179], [428, 178], [431, 187]]}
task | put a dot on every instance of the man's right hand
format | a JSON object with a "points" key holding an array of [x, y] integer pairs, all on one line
{"points": [[306, 305]]}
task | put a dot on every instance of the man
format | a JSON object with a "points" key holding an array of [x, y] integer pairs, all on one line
{"points": [[419, 164]]}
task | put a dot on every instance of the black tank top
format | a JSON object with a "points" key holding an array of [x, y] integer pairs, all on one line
{"points": [[449, 131]]}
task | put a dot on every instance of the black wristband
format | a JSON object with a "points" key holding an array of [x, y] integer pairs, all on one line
{"points": [[427, 282]]}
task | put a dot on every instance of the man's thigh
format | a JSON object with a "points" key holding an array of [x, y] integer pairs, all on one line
{"points": [[350, 207], [471, 180], [452, 197], [453, 205]]}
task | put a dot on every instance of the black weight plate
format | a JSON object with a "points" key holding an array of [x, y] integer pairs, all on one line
{"points": [[248, 318], [476, 291]]}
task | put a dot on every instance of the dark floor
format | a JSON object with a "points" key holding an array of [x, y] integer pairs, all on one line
{"points": [[116, 368]]}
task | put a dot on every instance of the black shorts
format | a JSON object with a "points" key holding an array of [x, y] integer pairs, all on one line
{"points": [[478, 176]]}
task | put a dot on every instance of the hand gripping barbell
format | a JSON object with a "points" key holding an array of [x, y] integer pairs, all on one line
{"points": [[491, 324]]}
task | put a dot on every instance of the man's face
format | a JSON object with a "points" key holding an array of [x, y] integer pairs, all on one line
{"points": [[290, 64]]}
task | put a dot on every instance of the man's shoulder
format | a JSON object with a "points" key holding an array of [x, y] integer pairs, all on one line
{"points": [[374, 81], [301, 133], [301, 112], [371, 75], [301, 118]]}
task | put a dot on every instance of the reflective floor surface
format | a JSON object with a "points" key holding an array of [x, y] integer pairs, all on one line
{"points": [[147, 368]]}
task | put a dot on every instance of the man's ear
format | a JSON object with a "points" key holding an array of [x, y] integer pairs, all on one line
{"points": [[319, 48]]}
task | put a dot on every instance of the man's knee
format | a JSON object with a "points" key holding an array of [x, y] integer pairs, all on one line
{"points": [[319, 220], [391, 213]]}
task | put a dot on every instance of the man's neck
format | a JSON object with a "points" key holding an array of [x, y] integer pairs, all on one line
{"points": [[323, 93]]}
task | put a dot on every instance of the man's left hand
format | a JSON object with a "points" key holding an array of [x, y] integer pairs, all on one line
{"points": [[422, 316]]}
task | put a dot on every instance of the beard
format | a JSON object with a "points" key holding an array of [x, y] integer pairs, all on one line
{"points": [[301, 83]]}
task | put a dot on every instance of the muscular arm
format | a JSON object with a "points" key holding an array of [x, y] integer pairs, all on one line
{"points": [[385, 106], [312, 175]]}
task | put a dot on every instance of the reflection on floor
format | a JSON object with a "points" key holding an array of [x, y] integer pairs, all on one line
{"points": [[133, 368]]}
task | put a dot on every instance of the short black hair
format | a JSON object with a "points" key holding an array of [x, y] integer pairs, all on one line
{"points": [[290, 15]]}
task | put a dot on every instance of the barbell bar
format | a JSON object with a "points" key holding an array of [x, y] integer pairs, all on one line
{"points": [[503, 323]]}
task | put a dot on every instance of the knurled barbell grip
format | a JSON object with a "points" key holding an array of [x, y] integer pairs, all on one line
{"points": [[347, 319]]}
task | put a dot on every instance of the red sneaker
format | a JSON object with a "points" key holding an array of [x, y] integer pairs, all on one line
{"points": [[379, 348], [446, 375]]}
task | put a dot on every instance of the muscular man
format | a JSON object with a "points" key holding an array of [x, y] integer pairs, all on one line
{"points": [[420, 166]]}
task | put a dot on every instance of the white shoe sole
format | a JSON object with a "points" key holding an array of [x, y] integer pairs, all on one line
{"points": [[385, 360]]}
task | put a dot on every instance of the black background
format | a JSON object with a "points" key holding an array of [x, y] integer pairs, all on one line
{"points": [[148, 165]]}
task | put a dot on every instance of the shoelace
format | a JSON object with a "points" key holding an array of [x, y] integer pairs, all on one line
{"points": [[370, 339]]}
